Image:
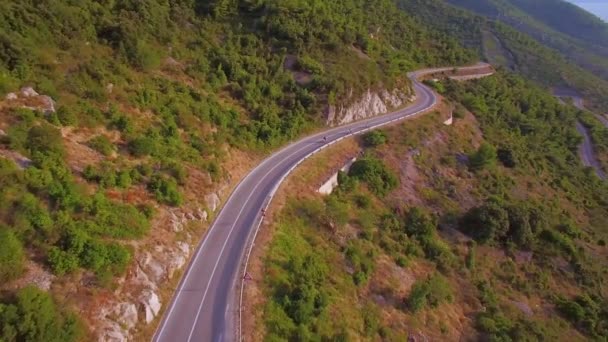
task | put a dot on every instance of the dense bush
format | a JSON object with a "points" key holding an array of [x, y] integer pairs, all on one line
{"points": [[430, 292], [373, 172], [44, 139], [34, 316], [485, 157], [516, 223], [166, 190], [375, 138], [11, 255], [101, 144]]}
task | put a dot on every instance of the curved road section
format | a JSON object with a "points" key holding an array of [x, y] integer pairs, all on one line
{"points": [[206, 305]]}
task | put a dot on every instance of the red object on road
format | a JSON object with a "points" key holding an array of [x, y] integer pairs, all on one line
{"points": [[247, 276]]}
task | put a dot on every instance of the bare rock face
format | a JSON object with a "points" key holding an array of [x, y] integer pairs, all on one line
{"points": [[150, 305], [177, 258], [47, 104], [126, 314], [30, 99], [113, 332], [152, 267], [179, 219], [368, 105], [213, 201]]}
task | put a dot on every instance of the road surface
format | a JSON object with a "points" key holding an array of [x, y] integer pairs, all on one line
{"points": [[585, 149], [586, 152], [206, 305]]}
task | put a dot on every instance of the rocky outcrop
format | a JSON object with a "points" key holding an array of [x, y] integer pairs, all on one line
{"points": [[179, 219], [30, 99], [118, 319], [370, 104], [213, 201], [149, 305]]}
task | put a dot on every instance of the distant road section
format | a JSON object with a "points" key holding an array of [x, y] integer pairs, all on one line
{"points": [[206, 305], [585, 150]]}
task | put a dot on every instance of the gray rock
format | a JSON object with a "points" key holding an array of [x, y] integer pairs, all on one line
{"points": [[370, 104], [153, 268], [183, 247], [175, 262], [28, 92], [202, 214], [113, 332], [213, 201], [150, 305], [11, 96], [48, 105], [126, 314]]}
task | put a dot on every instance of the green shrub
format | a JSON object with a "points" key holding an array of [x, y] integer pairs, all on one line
{"points": [[44, 139], [375, 138], [66, 116], [12, 256], [486, 223], [34, 316], [485, 157], [430, 292], [101, 144], [361, 257], [165, 190], [373, 172], [62, 262], [143, 146]]}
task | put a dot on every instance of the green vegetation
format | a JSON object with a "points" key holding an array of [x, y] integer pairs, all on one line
{"points": [[11, 255], [102, 144], [34, 316], [528, 39], [375, 174], [430, 292], [533, 220], [485, 157], [515, 224], [374, 138]]}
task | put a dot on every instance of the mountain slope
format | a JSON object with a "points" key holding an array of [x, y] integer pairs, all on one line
{"points": [[124, 123], [516, 50], [582, 37]]}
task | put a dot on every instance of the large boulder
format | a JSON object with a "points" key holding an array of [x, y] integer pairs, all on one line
{"points": [[126, 314], [153, 268], [213, 201], [28, 92], [150, 305]]}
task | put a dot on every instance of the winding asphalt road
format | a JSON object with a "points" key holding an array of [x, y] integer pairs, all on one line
{"points": [[585, 149], [206, 305]]}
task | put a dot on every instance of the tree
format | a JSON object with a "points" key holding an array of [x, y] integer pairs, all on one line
{"points": [[486, 223], [11, 255], [45, 139], [484, 157]]}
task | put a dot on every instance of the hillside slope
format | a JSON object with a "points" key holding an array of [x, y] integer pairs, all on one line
{"points": [[583, 37], [124, 124], [526, 51], [486, 230]]}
